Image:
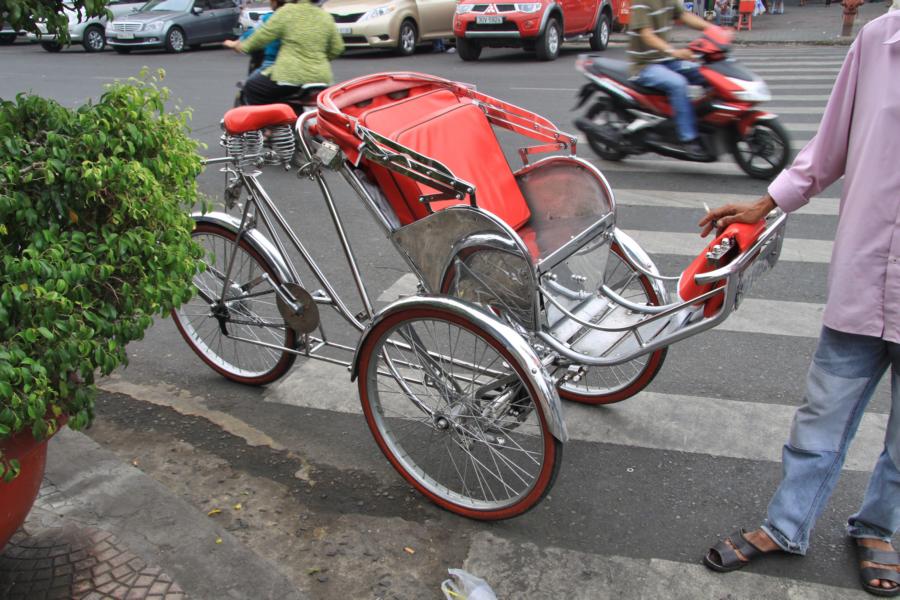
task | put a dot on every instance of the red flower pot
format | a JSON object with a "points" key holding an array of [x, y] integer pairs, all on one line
{"points": [[18, 495]]}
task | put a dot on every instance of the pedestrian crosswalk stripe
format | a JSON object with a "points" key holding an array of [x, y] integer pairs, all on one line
{"points": [[679, 423], [563, 572], [690, 244], [682, 199], [795, 77]]}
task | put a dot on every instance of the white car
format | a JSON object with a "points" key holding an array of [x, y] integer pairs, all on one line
{"points": [[87, 32], [252, 14]]}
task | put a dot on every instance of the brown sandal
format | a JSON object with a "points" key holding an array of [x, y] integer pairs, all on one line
{"points": [[729, 560]]}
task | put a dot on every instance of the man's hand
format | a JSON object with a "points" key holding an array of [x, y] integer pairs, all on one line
{"points": [[682, 54], [233, 44], [748, 212]]}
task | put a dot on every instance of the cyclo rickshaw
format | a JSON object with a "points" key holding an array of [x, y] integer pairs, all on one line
{"points": [[527, 293]]}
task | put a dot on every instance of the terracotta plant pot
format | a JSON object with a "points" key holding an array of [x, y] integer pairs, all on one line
{"points": [[18, 495]]}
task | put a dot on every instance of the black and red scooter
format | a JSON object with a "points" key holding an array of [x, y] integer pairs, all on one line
{"points": [[624, 118]]}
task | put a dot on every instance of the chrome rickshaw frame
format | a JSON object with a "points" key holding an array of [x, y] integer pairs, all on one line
{"points": [[531, 306]]}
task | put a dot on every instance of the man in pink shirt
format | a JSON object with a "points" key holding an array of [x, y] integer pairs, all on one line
{"points": [[859, 139]]}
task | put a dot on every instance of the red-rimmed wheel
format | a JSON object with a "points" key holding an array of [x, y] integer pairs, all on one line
{"points": [[237, 330], [608, 385], [451, 408]]}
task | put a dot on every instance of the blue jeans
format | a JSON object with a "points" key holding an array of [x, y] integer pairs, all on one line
{"points": [[843, 375], [673, 77]]}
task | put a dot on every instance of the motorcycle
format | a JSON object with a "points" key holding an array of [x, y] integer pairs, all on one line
{"points": [[626, 118]]}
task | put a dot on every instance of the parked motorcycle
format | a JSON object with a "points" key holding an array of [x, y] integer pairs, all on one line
{"points": [[625, 118]]}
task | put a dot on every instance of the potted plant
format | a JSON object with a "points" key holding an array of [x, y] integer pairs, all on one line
{"points": [[94, 241]]}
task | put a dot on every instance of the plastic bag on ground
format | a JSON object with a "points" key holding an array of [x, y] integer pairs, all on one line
{"points": [[465, 586]]}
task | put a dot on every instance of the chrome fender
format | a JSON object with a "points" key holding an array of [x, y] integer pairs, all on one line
{"points": [[547, 396], [636, 255], [254, 237]]}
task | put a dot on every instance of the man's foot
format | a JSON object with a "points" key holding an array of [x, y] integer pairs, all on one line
{"points": [[737, 550], [694, 150], [879, 567]]}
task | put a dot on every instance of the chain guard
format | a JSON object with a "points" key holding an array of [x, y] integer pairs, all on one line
{"points": [[308, 318]]}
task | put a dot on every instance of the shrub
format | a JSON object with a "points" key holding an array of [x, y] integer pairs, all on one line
{"points": [[94, 240]]}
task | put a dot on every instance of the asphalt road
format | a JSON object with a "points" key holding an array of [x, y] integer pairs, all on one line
{"points": [[646, 485]]}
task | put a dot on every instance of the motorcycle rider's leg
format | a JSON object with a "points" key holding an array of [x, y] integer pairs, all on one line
{"points": [[260, 89], [674, 84]]}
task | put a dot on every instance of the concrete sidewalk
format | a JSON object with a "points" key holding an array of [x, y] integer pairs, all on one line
{"points": [[814, 23], [101, 528]]}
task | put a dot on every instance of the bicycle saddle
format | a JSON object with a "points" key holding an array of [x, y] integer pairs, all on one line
{"points": [[250, 118]]}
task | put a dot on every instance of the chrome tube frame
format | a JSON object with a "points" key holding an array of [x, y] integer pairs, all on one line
{"points": [[767, 248]]}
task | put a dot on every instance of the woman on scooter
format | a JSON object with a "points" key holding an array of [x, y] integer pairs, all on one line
{"points": [[309, 41]]}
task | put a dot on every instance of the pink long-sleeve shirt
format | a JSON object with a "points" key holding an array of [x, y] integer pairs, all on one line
{"points": [[859, 138]]}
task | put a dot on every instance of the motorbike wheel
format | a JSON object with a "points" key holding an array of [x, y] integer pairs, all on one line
{"points": [[608, 385], [602, 113], [764, 151], [429, 383]]}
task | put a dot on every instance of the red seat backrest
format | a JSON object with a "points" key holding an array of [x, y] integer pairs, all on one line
{"points": [[455, 132]]}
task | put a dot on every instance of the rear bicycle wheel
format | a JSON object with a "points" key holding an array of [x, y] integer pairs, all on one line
{"points": [[608, 385], [212, 320], [451, 408]]}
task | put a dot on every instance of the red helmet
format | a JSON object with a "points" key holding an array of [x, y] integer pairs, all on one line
{"points": [[715, 40]]}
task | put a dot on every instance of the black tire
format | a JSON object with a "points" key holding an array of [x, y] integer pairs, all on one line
{"points": [[175, 40], [7, 38], [245, 313], [468, 50], [764, 151], [121, 50], [51, 46], [93, 40], [603, 109], [549, 41], [407, 38], [600, 37]]}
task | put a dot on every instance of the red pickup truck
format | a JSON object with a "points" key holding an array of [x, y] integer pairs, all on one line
{"points": [[540, 26]]}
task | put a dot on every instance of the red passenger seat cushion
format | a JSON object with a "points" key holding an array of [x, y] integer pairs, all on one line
{"points": [[250, 118], [459, 135]]}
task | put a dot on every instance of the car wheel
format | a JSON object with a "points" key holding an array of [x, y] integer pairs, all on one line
{"points": [[600, 38], [121, 50], [406, 42], [94, 40], [51, 46], [7, 38], [549, 41], [468, 50], [175, 40]]}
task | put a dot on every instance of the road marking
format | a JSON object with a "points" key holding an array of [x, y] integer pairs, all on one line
{"points": [[695, 200], [690, 244], [182, 402], [793, 78], [796, 144], [554, 572], [679, 423], [405, 286], [801, 97]]}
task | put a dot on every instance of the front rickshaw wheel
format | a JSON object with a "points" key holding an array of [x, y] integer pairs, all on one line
{"points": [[608, 385], [217, 319], [453, 411]]}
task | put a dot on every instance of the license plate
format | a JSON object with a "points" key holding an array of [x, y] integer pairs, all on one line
{"points": [[345, 30], [125, 36], [488, 20]]}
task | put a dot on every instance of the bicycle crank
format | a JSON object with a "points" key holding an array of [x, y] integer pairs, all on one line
{"points": [[306, 318]]}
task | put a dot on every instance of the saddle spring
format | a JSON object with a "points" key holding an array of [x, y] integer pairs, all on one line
{"points": [[245, 147], [281, 142]]}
